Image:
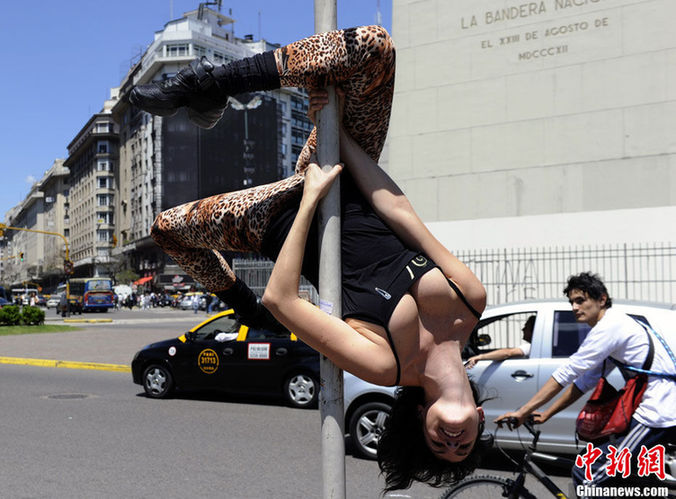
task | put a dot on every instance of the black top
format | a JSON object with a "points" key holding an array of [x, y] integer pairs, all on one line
{"points": [[372, 255]]}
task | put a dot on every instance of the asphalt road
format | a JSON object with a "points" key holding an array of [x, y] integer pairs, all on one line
{"points": [[87, 433]]}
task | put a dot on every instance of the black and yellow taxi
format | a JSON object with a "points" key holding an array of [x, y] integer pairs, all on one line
{"points": [[223, 354]]}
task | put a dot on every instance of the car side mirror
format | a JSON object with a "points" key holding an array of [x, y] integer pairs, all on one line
{"points": [[483, 340]]}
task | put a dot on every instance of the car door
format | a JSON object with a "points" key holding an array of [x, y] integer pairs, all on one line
{"points": [[510, 383], [203, 360], [260, 362]]}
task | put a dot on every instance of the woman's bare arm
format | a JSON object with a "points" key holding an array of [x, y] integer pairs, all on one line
{"points": [[392, 205], [329, 335]]}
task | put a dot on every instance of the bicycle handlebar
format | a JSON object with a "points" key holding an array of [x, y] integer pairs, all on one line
{"points": [[528, 424]]}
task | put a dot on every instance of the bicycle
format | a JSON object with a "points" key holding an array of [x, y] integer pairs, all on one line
{"points": [[488, 486]]}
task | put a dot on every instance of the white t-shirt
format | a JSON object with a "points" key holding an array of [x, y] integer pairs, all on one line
{"points": [[619, 336], [525, 348]]}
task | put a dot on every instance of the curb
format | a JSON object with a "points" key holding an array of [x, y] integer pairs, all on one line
{"points": [[91, 321], [65, 364]]}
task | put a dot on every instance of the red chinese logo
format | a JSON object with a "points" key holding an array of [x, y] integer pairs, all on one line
{"points": [[587, 459], [649, 461]]}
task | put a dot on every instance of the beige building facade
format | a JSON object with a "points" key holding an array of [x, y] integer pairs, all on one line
{"points": [[521, 124], [93, 161], [44, 209]]}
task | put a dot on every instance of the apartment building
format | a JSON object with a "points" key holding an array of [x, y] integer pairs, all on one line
{"points": [[44, 209], [166, 161], [93, 162]]}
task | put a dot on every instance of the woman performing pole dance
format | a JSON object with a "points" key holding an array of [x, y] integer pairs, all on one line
{"points": [[409, 305]]}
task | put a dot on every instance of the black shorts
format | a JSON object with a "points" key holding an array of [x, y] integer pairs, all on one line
{"points": [[373, 294]]}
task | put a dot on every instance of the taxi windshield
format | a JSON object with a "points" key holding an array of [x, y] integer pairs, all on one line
{"points": [[224, 324]]}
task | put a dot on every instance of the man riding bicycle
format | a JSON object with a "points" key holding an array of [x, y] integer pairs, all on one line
{"points": [[614, 335]]}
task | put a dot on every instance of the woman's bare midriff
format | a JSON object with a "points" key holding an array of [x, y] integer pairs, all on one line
{"points": [[430, 314]]}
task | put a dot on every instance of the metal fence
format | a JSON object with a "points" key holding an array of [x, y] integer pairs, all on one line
{"points": [[630, 271], [256, 272]]}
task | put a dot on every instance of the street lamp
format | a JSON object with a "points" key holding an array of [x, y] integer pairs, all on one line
{"points": [[248, 144]]}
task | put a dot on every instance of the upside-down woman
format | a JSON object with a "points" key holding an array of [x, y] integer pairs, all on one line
{"points": [[408, 304]]}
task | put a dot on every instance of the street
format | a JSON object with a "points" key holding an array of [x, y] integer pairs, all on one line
{"points": [[83, 433]]}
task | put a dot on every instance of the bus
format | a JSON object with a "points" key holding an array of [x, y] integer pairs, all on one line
{"points": [[93, 294]]}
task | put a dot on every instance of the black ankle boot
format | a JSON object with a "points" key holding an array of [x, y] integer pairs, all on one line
{"points": [[204, 89], [193, 86]]}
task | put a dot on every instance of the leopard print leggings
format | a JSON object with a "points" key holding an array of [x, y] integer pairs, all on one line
{"points": [[361, 62]]}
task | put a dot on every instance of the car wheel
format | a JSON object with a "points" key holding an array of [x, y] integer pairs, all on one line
{"points": [[157, 381], [301, 390], [366, 426]]}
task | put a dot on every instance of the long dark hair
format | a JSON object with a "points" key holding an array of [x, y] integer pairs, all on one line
{"points": [[403, 454]]}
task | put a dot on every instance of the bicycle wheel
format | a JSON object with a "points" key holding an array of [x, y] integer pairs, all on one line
{"points": [[481, 487]]}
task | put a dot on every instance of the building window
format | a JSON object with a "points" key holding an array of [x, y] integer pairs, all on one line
{"points": [[102, 146], [299, 104], [103, 165], [103, 127], [218, 57], [104, 217], [177, 50], [103, 236], [297, 138], [66, 232], [103, 182], [104, 200], [199, 51]]}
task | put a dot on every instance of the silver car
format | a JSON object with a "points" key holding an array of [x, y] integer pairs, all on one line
{"points": [[510, 383], [53, 301]]}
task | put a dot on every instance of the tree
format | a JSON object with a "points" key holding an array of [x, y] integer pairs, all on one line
{"points": [[126, 276]]}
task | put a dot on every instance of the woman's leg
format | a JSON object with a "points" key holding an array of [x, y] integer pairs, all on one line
{"points": [[361, 61], [193, 233]]}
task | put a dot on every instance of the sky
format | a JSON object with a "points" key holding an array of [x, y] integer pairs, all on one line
{"points": [[62, 58]]}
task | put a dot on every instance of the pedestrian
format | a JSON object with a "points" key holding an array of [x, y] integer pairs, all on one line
{"points": [[409, 305], [63, 304], [614, 337], [214, 303]]}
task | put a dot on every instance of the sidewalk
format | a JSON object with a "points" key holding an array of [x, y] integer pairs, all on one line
{"points": [[114, 342]]}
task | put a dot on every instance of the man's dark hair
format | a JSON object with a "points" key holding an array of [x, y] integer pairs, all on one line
{"points": [[591, 284], [403, 454]]}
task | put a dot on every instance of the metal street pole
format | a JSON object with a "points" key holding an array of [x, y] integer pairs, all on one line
{"points": [[331, 397]]}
